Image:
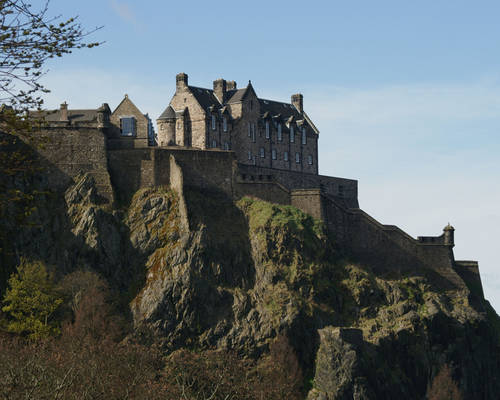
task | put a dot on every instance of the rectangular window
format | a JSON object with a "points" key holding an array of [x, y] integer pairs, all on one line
{"points": [[285, 156], [292, 135], [224, 124], [226, 146], [127, 126], [214, 143], [249, 129], [213, 122], [273, 153], [268, 133], [262, 152], [253, 133], [249, 155], [279, 132], [310, 159], [304, 137], [297, 158]]}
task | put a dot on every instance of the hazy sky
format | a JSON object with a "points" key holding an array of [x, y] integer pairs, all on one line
{"points": [[406, 94]]}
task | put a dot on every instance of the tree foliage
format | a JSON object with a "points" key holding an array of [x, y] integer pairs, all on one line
{"points": [[28, 39], [31, 301]]}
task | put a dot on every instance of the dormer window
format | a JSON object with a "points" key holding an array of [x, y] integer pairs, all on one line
{"points": [[292, 134], [304, 137], [127, 126], [280, 137], [213, 122], [224, 124], [268, 132]]}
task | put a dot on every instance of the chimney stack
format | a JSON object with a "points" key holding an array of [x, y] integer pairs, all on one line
{"points": [[298, 102], [220, 89], [231, 85], [64, 112], [181, 81]]}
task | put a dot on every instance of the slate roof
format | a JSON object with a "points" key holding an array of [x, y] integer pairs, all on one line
{"points": [[205, 97], [274, 108], [235, 96], [168, 113], [73, 115]]}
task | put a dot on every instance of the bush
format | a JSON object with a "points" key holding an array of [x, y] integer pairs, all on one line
{"points": [[443, 386]]}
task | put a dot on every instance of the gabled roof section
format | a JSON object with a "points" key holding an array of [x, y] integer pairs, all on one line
{"points": [[169, 113], [205, 97], [125, 100], [235, 96], [316, 130]]}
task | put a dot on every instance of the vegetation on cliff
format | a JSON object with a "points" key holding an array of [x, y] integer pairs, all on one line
{"points": [[256, 292]]}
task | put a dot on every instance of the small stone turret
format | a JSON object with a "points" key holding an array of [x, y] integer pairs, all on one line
{"points": [[449, 235], [166, 127]]}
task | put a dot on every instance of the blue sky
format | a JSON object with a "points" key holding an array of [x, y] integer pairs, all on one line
{"points": [[406, 94]]}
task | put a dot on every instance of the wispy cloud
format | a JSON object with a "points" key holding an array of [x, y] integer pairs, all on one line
{"points": [[124, 11]]}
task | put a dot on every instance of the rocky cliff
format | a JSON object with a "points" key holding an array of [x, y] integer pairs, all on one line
{"points": [[204, 272]]}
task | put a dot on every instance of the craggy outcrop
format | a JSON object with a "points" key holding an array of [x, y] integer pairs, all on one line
{"points": [[239, 275]]}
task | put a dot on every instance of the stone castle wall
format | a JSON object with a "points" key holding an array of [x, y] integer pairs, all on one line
{"points": [[67, 152], [386, 247]]}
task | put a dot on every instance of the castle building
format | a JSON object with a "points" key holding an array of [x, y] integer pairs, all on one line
{"points": [[229, 141], [261, 132]]}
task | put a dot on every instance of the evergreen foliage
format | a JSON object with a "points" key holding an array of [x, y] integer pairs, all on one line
{"points": [[31, 301]]}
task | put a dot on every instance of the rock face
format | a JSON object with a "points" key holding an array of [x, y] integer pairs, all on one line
{"points": [[241, 274]]}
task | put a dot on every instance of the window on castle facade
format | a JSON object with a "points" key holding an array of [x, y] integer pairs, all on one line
{"points": [[297, 158], [227, 146], [285, 156], [253, 133], [249, 154], [304, 137], [214, 143], [213, 122], [273, 154], [127, 126], [268, 132], [310, 159], [262, 152], [292, 135], [224, 124], [280, 134], [249, 129]]}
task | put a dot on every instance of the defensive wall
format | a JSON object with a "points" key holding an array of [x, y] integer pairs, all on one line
{"points": [[120, 172]]}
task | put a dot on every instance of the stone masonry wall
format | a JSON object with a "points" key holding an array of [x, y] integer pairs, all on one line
{"points": [[67, 152]]}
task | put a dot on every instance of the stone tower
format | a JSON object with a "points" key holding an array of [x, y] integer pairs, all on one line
{"points": [[449, 233], [166, 127]]}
